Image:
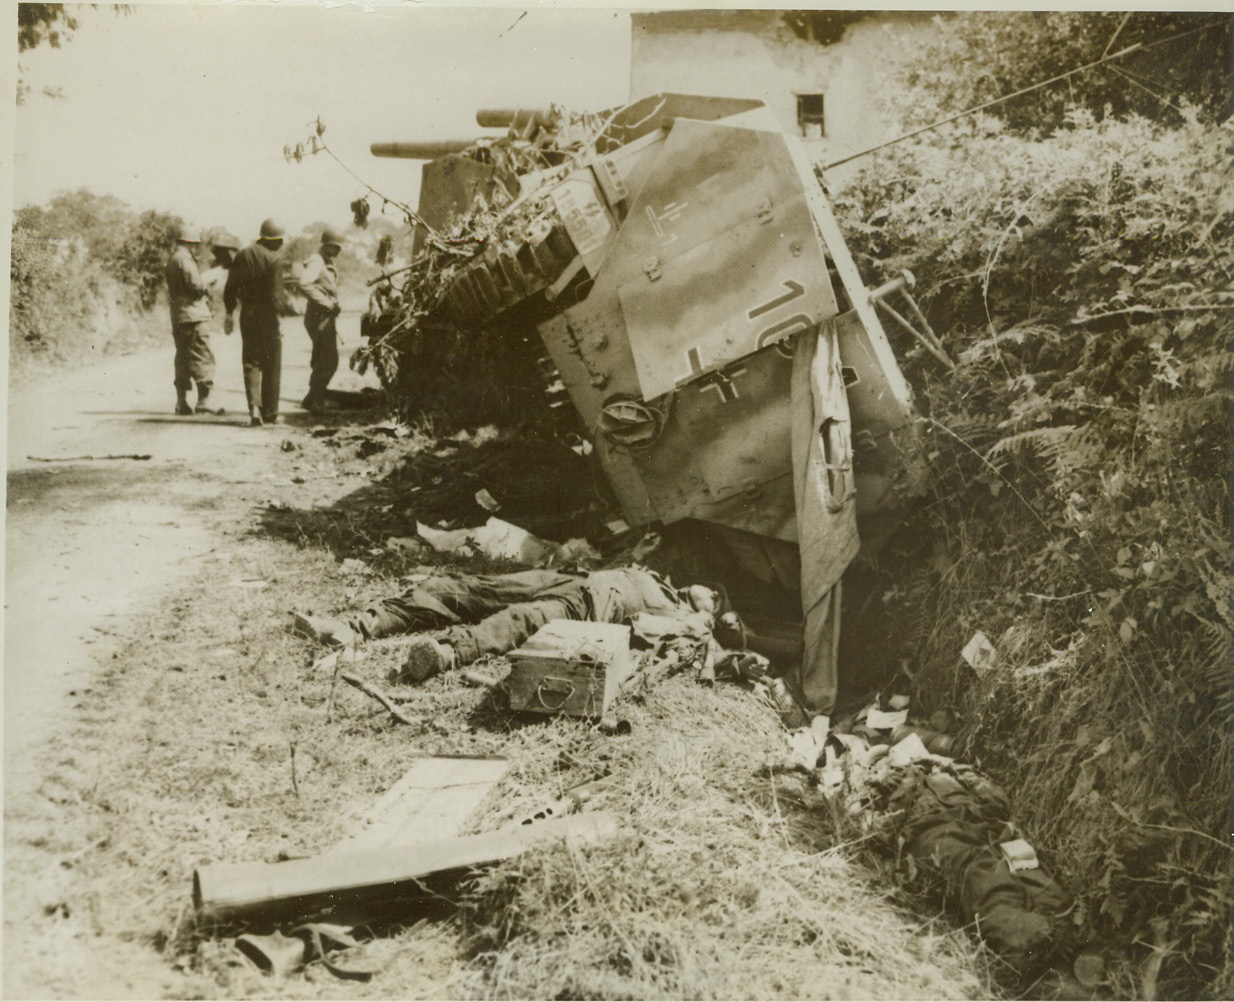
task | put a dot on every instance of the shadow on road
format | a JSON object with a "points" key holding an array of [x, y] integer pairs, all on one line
{"points": [[539, 484]]}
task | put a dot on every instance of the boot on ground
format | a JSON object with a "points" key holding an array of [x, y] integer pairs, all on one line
{"points": [[203, 401], [425, 658], [182, 405], [332, 632]]}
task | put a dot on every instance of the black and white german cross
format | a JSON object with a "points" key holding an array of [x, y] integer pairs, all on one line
{"points": [[722, 381]]}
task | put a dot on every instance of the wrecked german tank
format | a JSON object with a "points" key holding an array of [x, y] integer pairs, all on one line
{"points": [[694, 300]]}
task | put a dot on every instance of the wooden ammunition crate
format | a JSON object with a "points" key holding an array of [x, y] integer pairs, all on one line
{"points": [[570, 667]]}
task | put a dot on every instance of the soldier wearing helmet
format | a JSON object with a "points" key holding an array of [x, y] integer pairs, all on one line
{"points": [[255, 284], [319, 283], [223, 249], [188, 297]]}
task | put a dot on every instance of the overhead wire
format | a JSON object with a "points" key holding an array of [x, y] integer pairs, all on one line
{"points": [[1121, 53], [1144, 87], [1117, 31]]}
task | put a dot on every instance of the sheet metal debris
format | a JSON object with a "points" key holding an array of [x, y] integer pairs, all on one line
{"points": [[433, 799], [301, 888]]}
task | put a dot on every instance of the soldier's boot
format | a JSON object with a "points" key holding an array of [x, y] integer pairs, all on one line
{"points": [[203, 400], [182, 403], [316, 401], [425, 658]]}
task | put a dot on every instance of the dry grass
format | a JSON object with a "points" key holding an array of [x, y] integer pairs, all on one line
{"points": [[718, 887]]}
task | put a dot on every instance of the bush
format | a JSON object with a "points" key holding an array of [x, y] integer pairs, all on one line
{"points": [[56, 293], [86, 276], [1081, 500], [140, 260], [977, 56]]}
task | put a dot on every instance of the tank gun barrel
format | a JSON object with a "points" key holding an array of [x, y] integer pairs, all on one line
{"points": [[505, 118], [429, 149]]}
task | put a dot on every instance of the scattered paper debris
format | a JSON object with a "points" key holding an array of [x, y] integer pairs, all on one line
{"points": [[503, 540], [909, 750], [486, 500], [980, 654], [1019, 855], [885, 720]]}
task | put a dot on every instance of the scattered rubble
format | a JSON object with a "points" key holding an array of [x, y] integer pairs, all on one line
{"points": [[879, 767]]}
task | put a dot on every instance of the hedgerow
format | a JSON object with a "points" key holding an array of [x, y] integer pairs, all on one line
{"points": [[86, 275], [1080, 502]]}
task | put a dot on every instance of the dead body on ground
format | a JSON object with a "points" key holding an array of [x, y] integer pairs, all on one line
{"points": [[473, 615], [773, 419]]}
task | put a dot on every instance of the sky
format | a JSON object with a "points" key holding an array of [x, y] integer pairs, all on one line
{"points": [[187, 108]]}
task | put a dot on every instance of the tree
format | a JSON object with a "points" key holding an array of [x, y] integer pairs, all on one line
{"points": [[101, 221], [43, 22], [976, 57], [51, 23], [143, 254]]}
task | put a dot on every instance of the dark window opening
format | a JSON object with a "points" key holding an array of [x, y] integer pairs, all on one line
{"points": [[810, 115]]}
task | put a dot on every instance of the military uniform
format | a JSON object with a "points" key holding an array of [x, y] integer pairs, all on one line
{"points": [[190, 309], [950, 818], [255, 283], [319, 283], [493, 613]]}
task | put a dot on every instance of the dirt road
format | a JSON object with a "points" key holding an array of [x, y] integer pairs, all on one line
{"points": [[159, 715], [88, 543]]}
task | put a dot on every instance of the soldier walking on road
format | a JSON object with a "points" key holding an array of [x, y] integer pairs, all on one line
{"points": [[255, 282], [190, 309], [319, 283]]}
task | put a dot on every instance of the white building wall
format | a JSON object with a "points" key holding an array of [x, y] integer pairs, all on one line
{"points": [[755, 54]]}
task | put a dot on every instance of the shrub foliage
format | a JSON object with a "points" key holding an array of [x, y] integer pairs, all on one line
{"points": [[1081, 499], [86, 271], [1176, 55]]}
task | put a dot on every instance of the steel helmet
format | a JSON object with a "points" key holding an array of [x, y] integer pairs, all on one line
{"points": [[271, 229], [331, 236], [225, 241], [188, 235]]}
